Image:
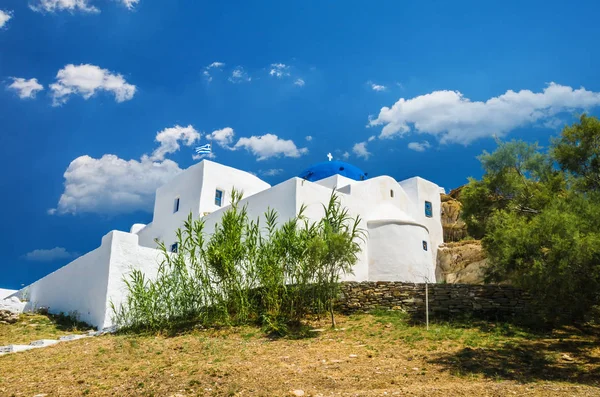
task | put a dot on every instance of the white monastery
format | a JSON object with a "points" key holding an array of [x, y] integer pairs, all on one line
{"points": [[401, 221]]}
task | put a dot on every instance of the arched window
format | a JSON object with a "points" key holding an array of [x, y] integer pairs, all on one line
{"points": [[391, 193]]}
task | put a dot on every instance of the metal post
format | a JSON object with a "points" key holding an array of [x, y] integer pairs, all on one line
{"points": [[427, 305]]}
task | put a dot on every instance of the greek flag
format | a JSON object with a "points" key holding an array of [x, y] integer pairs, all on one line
{"points": [[204, 149]]}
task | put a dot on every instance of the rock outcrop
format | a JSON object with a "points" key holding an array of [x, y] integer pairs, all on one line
{"points": [[461, 262], [454, 227], [8, 317]]}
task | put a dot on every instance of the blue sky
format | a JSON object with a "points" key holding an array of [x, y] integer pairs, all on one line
{"points": [[103, 100]]}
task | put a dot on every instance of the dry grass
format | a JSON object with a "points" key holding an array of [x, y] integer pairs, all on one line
{"points": [[370, 355], [31, 327]]}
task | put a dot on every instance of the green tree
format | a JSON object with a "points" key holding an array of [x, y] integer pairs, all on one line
{"points": [[538, 216], [577, 151]]}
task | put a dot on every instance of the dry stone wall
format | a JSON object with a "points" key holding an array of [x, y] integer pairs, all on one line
{"points": [[445, 300]]}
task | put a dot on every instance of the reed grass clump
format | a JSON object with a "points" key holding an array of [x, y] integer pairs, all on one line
{"points": [[272, 274]]}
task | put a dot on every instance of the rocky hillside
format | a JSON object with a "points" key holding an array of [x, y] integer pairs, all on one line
{"points": [[459, 260]]}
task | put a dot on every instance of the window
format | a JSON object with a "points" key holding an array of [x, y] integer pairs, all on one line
{"points": [[176, 205], [218, 197], [425, 245], [391, 193], [428, 209], [174, 248]]}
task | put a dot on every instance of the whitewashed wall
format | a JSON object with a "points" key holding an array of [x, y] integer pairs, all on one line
{"points": [[396, 252], [195, 188], [421, 190], [5, 293], [78, 287], [126, 254]]}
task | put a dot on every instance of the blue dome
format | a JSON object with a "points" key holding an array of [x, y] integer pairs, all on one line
{"points": [[329, 168]]}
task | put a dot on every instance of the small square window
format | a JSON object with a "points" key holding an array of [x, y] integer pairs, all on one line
{"points": [[428, 209], [174, 248], [424, 245], [176, 205], [218, 197]]}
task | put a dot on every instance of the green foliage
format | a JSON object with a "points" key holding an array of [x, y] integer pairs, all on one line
{"points": [[577, 151], [541, 225], [242, 273]]}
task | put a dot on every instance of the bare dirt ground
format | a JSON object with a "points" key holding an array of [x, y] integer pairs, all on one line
{"points": [[368, 355]]}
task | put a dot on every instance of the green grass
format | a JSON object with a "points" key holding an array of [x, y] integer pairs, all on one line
{"points": [[31, 327]]}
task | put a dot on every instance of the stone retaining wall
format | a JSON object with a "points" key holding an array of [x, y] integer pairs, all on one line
{"points": [[445, 300]]}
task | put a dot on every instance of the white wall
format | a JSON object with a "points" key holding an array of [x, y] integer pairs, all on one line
{"points": [[5, 293], [79, 286], [421, 190], [218, 176], [126, 253], [195, 187], [396, 252]]}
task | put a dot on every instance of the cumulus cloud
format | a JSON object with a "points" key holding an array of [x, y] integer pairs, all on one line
{"points": [[345, 155], [280, 70], [419, 146], [271, 172], [360, 149], [5, 16], [451, 117], [64, 5], [378, 87], [299, 82], [223, 137], [169, 139], [25, 88], [372, 138], [308, 138], [45, 255], [270, 145], [86, 80], [239, 75], [112, 185]]}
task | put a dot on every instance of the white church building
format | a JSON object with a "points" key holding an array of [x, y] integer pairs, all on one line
{"points": [[401, 220]]}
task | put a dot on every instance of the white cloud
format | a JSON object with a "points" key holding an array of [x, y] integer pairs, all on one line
{"points": [[360, 149], [308, 138], [5, 16], [25, 88], [453, 118], [270, 145], [372, 138], [44, 255], [214, 65], [346, 155], [130, 4], [280, 70], [112, 185], [419, 146], [272, 172], [239, 75], [377, 87], [299, 82], [86, 80], [63, 5], [169, 139], [223, 137]]}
